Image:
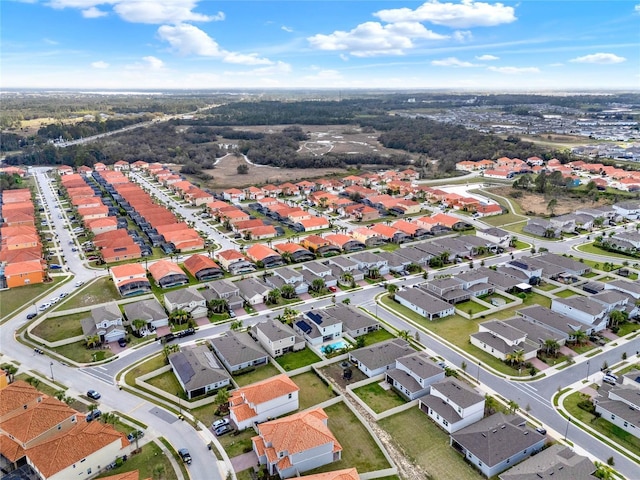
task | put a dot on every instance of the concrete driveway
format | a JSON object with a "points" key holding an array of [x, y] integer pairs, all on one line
{"points": [[244, 461]]}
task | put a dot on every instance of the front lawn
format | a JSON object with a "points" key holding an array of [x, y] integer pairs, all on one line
{"points": [[238, 444], [151, 462], [312, 390], [259, 373], [592, 248], [79, 353], [154, 363], [500, 220], [379, 399], [99, 291], [426, 445], [627, 328], [60, 328], [359, 449], [294, 360]]}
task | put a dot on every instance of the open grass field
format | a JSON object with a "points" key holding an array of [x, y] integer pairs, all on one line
{"points": [[260, 373], [591, 248], [312, 390], [428, 446], [379, 399], [99, 291], [294, 360], [59, 328], [15, 298], [151, 462], [359, 448], [154, 363]]}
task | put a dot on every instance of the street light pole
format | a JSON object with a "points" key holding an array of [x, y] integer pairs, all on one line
{"points": [[51, 367], [587, 370], [567, 429], [478, 376]]}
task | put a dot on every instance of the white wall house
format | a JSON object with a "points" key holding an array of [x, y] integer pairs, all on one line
{"points": [[277, 338], [452, 405], [584, 310]]}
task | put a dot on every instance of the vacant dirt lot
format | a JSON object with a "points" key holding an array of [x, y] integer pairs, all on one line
{"points": [[536, 204]]}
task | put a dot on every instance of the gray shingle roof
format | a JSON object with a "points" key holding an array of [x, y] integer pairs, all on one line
{"points": [[274, 330], [424, 300], [458, 392], [583, 304], [197, 367], [382, 354], [351, 317], [148, 310], [237, 348], [554, 463], [223, 287], [420, 364], [184, 295]]}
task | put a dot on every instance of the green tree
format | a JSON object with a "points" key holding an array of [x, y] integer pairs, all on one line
{"points": [[180, 316], [580, 337], [346, 301], [273, 296], [218, 305], [551, 206], [242, 169], [317, 285], [138, 323], [235, 326], [288, 291], [490, 405], [551, 346], [404, 334], [360, 341], [513, 406], [515, 358], [616, 317], [392, 289]]}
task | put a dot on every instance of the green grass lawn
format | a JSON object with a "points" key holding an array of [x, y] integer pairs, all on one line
{"points": [[547, 286], [601, 425], [591, 248], [15, 298], [79, 353], [294, 360], [166, 381], [59, 328], [471, 307], [379, 399], [99, 291], [43, 387], [500, 220], [497, 295], [359, 449], [566, 293], [154, 363], [312, 390], [151, 463], [238, 444], [377, 336], [426, 445], [259, 373], [627, 328]]}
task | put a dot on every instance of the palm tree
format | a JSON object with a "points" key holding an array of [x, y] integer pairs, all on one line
{"points": [[92, 341], [392, 289], [289, 314], [513, 406], [373, 273], [179, 316], [138, 323], [580, 337], [404, 334], [346, 301], [273, 296], [317, 285], [551, 346], [288, 291], [490, 404], [616, 317], [218, 305], [515, 358], [222, 399], [169, 349], [237, 325], [603, 472], [10, 370]]}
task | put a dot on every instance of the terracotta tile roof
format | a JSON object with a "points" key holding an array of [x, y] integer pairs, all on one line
{"points": [[23, 267], [259, 252], [243, 412], [288, 247], [21, 255], [298, 432], [198, 262], [384, 230], [125, 271], [314, 222], [345, 474], [132, 250], [16, 395], [338, 239], [406, 227], [316, 240], [162, 268], [259, 443], [33, 422], [262, 230], [102, 222], [231, 255], [264, 390]]}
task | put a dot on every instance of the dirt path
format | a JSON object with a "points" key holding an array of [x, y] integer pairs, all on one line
{"points": [[406, 469]]}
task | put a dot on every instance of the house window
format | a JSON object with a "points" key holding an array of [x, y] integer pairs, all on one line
{"points": [[445, 423], [613, 417], [479, 464], [290, 395], [626, 424]]}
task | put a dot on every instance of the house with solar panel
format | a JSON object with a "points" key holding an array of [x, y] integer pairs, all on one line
{"points": [[198, 371], [317, 327]]}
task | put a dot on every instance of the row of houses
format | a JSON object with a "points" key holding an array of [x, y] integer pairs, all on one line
{"points": [[21, 259]]}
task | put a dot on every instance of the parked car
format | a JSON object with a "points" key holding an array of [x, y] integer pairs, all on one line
{"points": [[220, 423], [541, 431], [185, 455], [122, 342], [93, 394], [44, 306], [64, 294], [222, 430], [611, 380], [55, 266], [133, 435], [93, 415], [31, 316], [79, 283], [333, 289]]}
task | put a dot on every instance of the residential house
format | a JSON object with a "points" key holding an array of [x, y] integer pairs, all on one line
{"points": [[318, 327], [260, 401], [592, 314], [344, 474], [500, 339], [150, 311], [354, 322], [188, 299], [452, 404], [555, 322], [105, 322], [276, 338], [380, 357], [557, 462], [265, 255], [625, 286], [130, 279], [18, 274], [369, 237], [235, 262], [495, 235], [391, 234], [424, 303], [395, 263], [238, 351], [414, 374], [340, 242], [198, 371], [253, 290], [621, 406], [541, 228], [167, 274], [203, 268], [370, 262], [497, 442], [296, 443], [629, 209], [227, 290], [288, 276], [296, 252]]}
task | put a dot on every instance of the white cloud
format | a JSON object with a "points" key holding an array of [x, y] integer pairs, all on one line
{"points": [[487, 58], [372, 38], [48, 41], [601, 58], [246, 59], [278, 68], [462, 36], [452, 62], [637, 8], [100, 64], [466, 14], [188, 39], [286, 29], [93, 12], [556, 64], [153, 62], [142, 11], [514, 70]]}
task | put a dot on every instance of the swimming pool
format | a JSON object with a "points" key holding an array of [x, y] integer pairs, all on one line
{"points": [[334, 346]]}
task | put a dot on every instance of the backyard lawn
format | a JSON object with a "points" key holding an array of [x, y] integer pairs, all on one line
{"points": [[312, 390], [359, 448], [12, 300], [166, 381], [259, 373], [151, 463], [428, 446], [377, 336], [294, 360], [566, 293], [59, 328], [471, 307], [379, 399], [98, 291]]}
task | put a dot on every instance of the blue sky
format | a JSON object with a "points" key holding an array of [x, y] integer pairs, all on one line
{"points": [[532, 45]]}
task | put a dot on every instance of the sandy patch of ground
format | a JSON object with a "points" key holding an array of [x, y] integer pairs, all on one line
{"points": [[536, 204]]}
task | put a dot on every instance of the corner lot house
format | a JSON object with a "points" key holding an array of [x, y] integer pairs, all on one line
{"points": [[452, 405], [106, 322], [270, 398], [424, 303], [276, 338], [198, 371], [237, 351], [296, 443], [500, 339], [622, 406], [414, 374], [497, 442], [554, 463]]}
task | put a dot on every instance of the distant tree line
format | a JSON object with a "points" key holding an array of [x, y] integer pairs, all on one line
{"points": [[89, 128], [10, 182]]}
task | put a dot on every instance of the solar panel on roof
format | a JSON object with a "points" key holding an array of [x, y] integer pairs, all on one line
{"points": [[184, 369], [316, 317], [519, 264], [304, 326]]}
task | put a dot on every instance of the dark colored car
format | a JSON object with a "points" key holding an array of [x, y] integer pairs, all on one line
{"points": [[31, 316], [93, 394], [185, 455], [122, 342], [93, 415]]}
